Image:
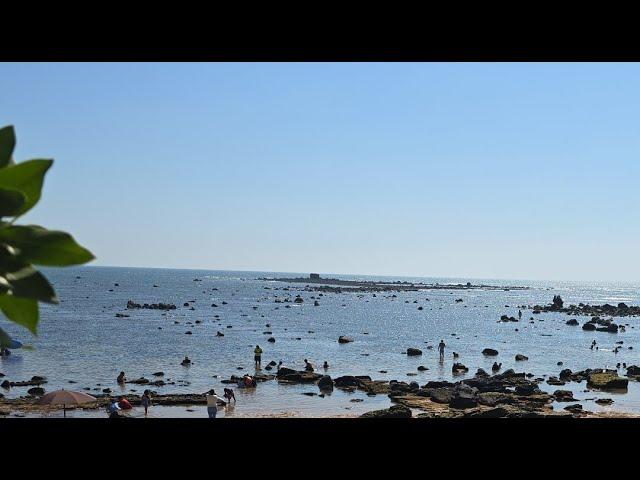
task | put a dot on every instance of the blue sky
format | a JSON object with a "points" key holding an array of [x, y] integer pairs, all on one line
{"points": [[449, 169]]}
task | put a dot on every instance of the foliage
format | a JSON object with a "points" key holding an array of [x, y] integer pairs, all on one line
{"points": [[22, 286]]}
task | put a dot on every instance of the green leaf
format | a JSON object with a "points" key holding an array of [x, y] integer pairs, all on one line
{"points": [[30, 283], [5, 286], [5, 339], [26, 177], [7, 144], [9, 260], [10, 202], [45, 247], [23, 311]]}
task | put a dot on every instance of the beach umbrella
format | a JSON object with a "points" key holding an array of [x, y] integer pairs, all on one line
{"points": [[66, 397]]}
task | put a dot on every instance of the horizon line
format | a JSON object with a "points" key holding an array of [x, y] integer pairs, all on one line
{"points": [[359, 274]]}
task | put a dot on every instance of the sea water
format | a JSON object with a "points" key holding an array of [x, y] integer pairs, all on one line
{"points": [[82, 341]]}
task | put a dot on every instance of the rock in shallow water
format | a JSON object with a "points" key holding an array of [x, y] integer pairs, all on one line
{"points": [[490, 352], [607, 381], [396, 411]]}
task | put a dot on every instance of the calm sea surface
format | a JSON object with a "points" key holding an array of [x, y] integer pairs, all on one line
{"points": [[81, 339]]}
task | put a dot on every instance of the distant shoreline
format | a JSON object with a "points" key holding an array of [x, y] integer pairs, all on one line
{"points": [[371, 286]]}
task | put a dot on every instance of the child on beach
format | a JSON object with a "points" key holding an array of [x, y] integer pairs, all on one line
{"points": [[146, 401], [113, 409], [228, 394]]}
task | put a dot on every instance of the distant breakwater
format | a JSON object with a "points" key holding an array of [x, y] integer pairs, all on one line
{"points": [[337, 285]]}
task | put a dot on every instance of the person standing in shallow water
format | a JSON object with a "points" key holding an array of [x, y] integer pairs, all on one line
{"points": [[212, 403], [257, 356], [146, 401], [519, 314], [441, 346]]}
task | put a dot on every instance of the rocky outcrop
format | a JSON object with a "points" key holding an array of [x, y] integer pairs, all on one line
{"points": [[633, 371], [621, 310], [464, 397], [346, 381], [607, 380], [414, 351], [325, 383], [563, 396], [344, 339], [395, 411], [154, 306], [489, 352], [294, 376]]}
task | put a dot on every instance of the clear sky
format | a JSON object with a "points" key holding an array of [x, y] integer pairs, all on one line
{"points": [[523, 171]]}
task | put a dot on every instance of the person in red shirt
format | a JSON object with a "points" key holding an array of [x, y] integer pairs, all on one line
{"points": [[124, 404]]}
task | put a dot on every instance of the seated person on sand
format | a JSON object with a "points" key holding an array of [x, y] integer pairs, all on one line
{"points": [[124, 404], [186, 361], [121, 378], [307, 366]]}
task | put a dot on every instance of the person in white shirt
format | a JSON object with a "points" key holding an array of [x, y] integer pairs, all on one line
{"points": [[212, 403]]}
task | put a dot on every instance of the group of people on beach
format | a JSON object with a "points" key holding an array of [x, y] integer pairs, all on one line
{"points": [[257, 359], [115, 407], [213, 400]]}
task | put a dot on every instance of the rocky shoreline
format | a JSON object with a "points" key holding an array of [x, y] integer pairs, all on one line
{"points": [[335, 285], [503, 395], [620, 310]]}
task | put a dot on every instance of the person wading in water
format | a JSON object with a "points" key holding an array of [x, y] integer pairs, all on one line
{"points": [[441, 346], [257, 356]]}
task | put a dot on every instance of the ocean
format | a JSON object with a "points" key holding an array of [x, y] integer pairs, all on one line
{"points": [[82, 341]]}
